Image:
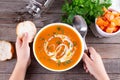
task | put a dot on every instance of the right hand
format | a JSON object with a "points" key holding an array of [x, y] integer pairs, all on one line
{"points": [[23, 51], [94, 65], [23, 58]]}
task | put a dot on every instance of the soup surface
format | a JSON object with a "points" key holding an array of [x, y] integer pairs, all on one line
{"points": [[58, 47]]}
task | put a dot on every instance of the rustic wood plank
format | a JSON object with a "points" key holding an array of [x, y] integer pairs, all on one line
{"points": [[17, 6], [4, 76], [44, 16], [8, 15], [52, 77], [8, 34], [14, 18], [107, 50], [60, 76], [11, 6], [111, 65], [19, 1], [14, 0], [68, 77], [56, 7]]}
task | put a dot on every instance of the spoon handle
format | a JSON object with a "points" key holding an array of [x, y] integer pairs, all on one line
{"points": [[85, 45]]}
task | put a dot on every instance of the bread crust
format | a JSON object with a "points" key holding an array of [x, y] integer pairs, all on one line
{"points": [[26, 26], [12, 50]]}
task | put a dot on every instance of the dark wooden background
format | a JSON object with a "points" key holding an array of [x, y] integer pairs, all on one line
{"points": [[12, 10]]}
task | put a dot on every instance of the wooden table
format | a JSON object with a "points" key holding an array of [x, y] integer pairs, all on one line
{"points": [[11, 10]]}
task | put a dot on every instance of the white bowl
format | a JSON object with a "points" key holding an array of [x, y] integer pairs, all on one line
{"points": [[103, 33], [99, 32], [82, 49]]}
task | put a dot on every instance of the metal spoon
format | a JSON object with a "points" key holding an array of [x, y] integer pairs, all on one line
{"points": [[80, 24]]}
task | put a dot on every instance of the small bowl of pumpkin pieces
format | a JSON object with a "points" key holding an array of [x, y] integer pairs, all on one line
{"points": [[108, 24]]}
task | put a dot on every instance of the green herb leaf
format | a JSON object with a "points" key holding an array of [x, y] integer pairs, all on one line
{"points": [[58, 28], [68, 61], [74, 43], [58, 62], [42, 38], [58, 42]]}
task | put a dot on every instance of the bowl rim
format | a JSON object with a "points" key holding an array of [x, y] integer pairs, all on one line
{"points": [[80, 37]]}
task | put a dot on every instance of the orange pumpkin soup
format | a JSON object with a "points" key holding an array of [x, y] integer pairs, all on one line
{"points": [[57, 47]]}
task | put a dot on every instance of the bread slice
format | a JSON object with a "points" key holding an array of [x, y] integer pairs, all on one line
{"points": [[26, 26], [6, 50]]}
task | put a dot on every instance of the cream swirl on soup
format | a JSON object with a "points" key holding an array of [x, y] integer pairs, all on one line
{"points": [[63, 51]]}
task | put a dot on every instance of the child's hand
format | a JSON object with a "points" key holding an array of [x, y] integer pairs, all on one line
{"points": [[23, 51], [94, 65], [23, 58]]}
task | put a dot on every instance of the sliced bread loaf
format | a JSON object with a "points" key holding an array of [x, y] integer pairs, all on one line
{"points": [[6, 50], [26, 26]]}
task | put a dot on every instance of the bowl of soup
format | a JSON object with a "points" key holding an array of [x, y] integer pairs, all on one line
{"points": [[58, 47]]}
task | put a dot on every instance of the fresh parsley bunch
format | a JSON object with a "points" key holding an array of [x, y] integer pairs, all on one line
{"points": [[89, 9]]}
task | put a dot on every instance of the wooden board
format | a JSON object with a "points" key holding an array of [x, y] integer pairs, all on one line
{"points": [[17, 6], [12, 11], [60, 77]]}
